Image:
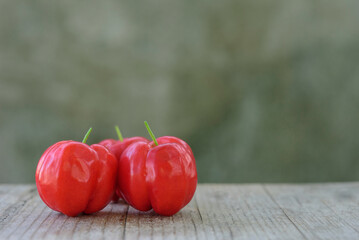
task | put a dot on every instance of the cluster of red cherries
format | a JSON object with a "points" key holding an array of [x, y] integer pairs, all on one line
{"points": [[73, 177]]}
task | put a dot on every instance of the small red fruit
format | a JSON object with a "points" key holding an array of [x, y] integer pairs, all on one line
{"points": [[73, 177]]}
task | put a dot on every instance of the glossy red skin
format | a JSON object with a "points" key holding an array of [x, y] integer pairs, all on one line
{"points": [[74, 178], [120, 146], [162, 178], [117, 147], [108, 142]]}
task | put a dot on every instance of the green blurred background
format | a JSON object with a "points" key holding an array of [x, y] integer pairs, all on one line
{"points": [[263, 91]]}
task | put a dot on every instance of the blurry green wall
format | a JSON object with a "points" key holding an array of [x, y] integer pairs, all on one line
{"points": [[263, 91]]}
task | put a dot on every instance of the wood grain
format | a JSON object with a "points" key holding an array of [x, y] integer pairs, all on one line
{"points": [[218, 211], [320, 211]]}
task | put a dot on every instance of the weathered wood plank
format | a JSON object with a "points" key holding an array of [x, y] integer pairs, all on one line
{"points": [[254, 211], [149, 225], [344, 201], [107, 224], [245, 212], [317, 209], [12, 203]]}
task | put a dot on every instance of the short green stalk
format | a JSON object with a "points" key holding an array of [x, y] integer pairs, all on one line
{"points": [[119, 133], [87, 136], [151, 133]]}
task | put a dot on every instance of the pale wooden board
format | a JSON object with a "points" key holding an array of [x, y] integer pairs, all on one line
{"points": [[320, 211], [243, 211], [253, 211]]}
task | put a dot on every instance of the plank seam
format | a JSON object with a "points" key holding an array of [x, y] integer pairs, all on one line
{"points": [[273, 199], [199, 212], [124, 227], [106, 220]]}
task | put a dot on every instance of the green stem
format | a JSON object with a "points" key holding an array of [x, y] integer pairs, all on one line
{"points": [[87, 136], [151, 133], [119, 133]]}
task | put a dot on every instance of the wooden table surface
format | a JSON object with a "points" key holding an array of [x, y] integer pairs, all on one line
{"points": [[218, 211]]}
